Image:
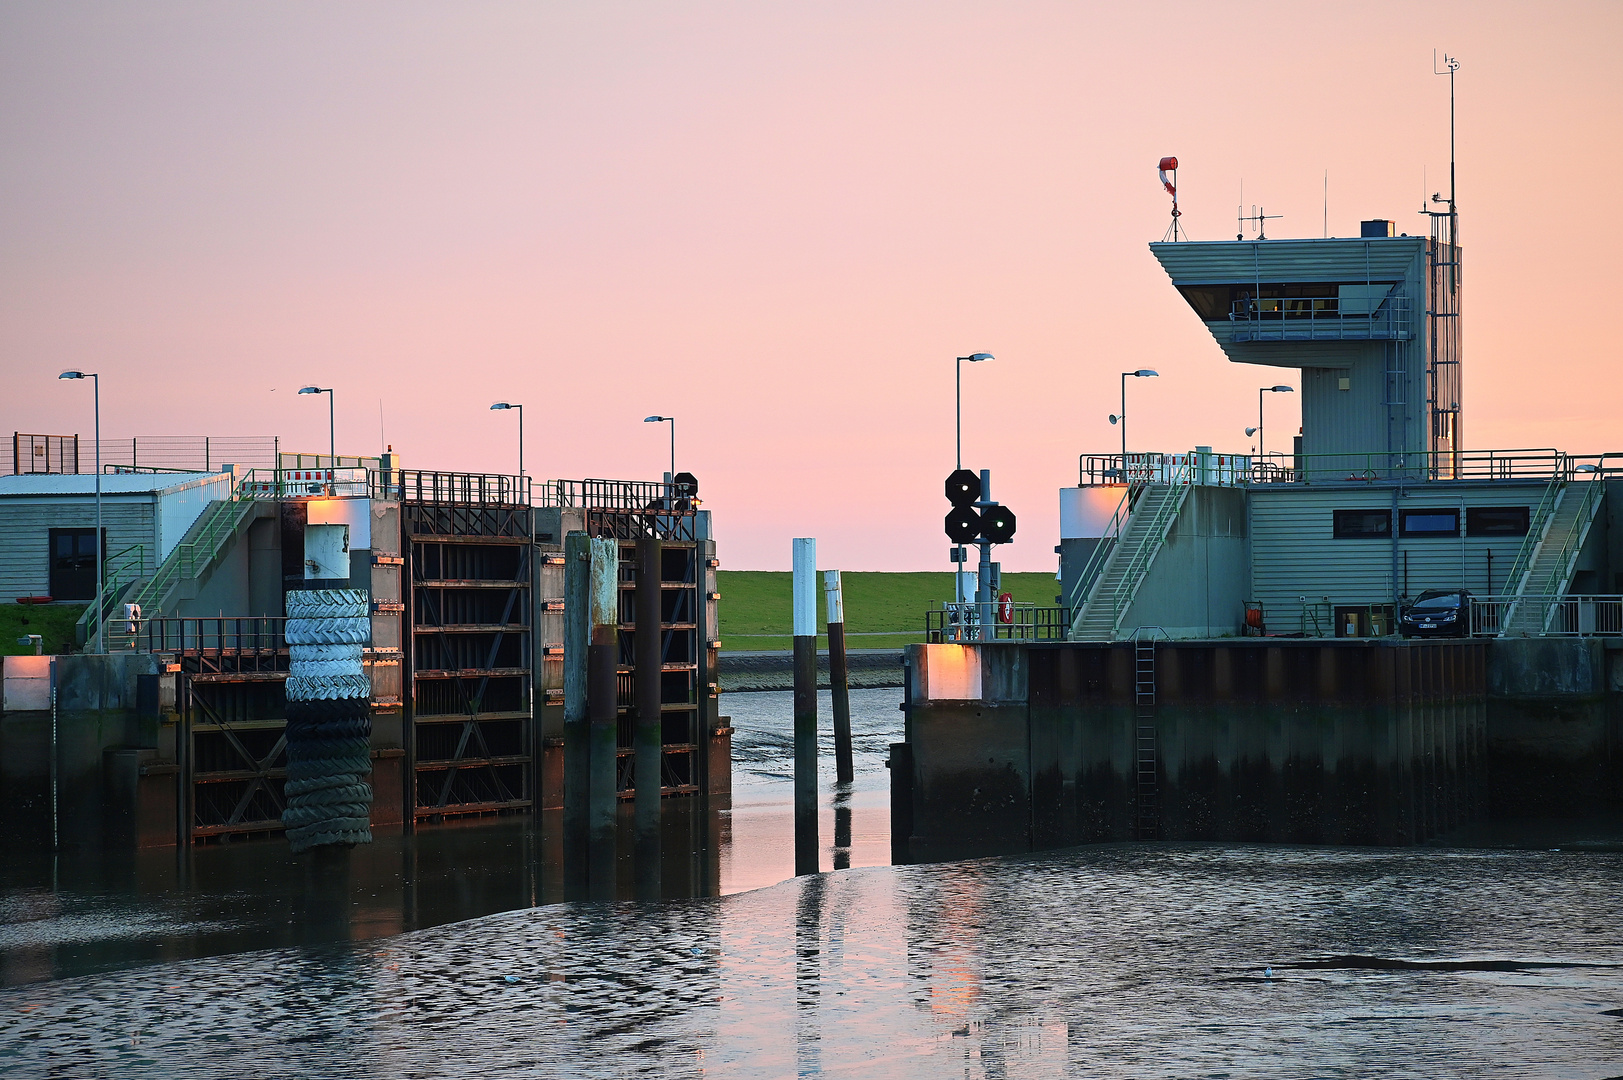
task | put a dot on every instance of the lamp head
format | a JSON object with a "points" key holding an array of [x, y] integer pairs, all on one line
{"points": [[71, 375], [1114, 419], [310, 390], [1281, 389], [501, 405], [1144, 373], [978, 357], [1251, 431], [656, 419]]}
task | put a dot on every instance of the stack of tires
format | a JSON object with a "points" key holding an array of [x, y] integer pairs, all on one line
{"points": [[329, 723]]}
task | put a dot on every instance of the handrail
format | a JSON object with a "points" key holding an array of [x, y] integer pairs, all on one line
{"points": [[1318, 318], [1522, 565], [120, 570], [1154, 537], [188, 557], [598, 494], [1093, 571], [1560, 571]]}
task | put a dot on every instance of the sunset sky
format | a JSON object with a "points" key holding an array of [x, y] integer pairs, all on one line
{"points": [[777, 222]]}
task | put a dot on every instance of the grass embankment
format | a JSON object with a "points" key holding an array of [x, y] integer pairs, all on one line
{"points": [[53, 622], [882, 611]]}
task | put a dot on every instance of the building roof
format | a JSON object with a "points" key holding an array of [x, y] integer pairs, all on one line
{"points": [[38, 484]]}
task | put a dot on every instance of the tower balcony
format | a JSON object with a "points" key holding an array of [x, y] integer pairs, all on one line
{"points": [[1350, 316]]}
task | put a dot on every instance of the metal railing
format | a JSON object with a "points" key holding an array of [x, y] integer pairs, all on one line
{"points": [[467, 489], [1589, 496], [1555, 616], [304, 483], [961, 622], [221, 644], [1318, 318], [606, 494], [1198, 466]]}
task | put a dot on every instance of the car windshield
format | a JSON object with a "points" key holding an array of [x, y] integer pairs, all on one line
{"points": [[1444, 602]]}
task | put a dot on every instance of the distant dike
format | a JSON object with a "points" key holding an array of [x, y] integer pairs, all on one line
{"points": [[869, 669]]}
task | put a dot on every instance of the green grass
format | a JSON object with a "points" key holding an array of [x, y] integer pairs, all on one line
{"points": [[53, 622], [882, 611]]}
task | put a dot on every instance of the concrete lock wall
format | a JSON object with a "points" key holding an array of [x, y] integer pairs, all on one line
{"points": [[106, 717], [1304, 742], [1555, 726]]}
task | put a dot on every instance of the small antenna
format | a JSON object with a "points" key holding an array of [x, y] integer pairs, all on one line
{"points": [[1327, 204], [1261, 218], [1170, 165]]}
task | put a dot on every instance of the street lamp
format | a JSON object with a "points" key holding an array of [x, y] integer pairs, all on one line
{"points": [[332, 442], [1121, 417], [95, 382], [1258, 429], [958, 371], [671, 420], [520, 408]]}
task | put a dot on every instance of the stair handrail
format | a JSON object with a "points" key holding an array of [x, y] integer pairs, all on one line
{"points": [[121, 570], [219, 523], [1154, 536], [1521, 567], [1561, 570], [1093, 571]]}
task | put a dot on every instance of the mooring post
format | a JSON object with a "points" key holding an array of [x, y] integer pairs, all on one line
{"points": [[603, 711], [650, 723], [838, 680], [577, 729], [805, 612]]}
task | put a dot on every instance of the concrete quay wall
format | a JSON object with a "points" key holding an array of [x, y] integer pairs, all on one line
{"points": [[1016, 747]]}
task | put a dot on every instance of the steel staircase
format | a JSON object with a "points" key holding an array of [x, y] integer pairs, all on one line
{"points": [[190, 559], [1130, 558], [1549, 558]]}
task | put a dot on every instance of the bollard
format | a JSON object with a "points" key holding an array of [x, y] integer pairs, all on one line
{"points": [[650, 724], [838, 677], [577, 730], [805, 625], [603, 712]]}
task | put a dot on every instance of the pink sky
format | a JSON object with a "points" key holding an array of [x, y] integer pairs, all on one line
{"points": [[777, 222]]}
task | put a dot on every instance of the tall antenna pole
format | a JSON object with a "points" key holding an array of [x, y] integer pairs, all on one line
{"points": [[1450, 65]]}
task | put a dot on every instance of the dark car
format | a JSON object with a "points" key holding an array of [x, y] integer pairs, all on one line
{"points": [[1438, 613]]}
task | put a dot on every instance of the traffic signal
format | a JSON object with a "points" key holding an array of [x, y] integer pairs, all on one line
{"points": [[963, 488], [997, 524], [963, 525]]}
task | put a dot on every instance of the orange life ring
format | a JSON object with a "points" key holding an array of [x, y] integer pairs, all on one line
{"points": [[1005, 608]]}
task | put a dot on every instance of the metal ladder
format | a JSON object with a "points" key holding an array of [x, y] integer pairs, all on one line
{"points": [[1146, 749]]}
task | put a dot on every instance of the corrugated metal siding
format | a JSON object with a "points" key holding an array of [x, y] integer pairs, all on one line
{"points": [[1235, 262], [25, 525], [1294, 552], [111, 483]]}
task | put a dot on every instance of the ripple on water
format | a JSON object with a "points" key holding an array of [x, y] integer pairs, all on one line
{"points": [[1112, 961]]}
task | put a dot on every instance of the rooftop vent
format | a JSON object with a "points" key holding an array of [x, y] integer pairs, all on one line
{"points": [[1378, 227]]}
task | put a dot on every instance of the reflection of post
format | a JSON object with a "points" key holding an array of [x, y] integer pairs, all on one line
{"points": [[805, 626], [603, 699], [838, 679], [842, 827], [648, 772], [808, 977], [577, 731]]}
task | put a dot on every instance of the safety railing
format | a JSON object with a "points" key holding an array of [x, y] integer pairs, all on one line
{"points": [[1548, 616], [1320, 318], [304, 483], [1204, 467], [468, 489], [1589, 496], [121, 570], [608, 494], [190, 558], [964, 622], [220, 643]]}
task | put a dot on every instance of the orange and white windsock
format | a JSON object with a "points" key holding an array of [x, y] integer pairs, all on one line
{"points": [[1169, 165]]}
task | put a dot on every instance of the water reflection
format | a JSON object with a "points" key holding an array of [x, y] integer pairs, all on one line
{"points": [[1113, 961], [85, 912]]}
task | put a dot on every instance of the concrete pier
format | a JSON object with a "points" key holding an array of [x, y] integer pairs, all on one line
{"points": [[1016, 747]]}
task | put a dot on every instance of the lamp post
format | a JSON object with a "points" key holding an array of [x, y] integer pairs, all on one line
{"points": [[671, 420], [958, 458], [520, 408], [958, 372], [1258, 429], [332, 441], [95, 382], [1121, 417]]}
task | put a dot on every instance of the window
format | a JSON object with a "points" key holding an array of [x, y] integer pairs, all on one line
{"points": [[1363, 524], [1496, 520], [73, 564], [1429, 522]]}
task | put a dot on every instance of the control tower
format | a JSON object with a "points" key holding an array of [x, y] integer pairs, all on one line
{"points": [[1374, 325]]}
